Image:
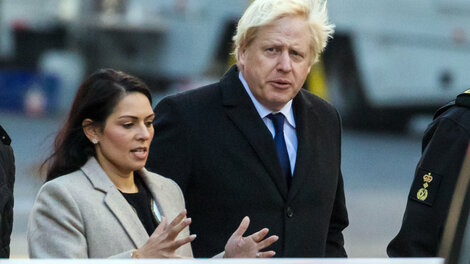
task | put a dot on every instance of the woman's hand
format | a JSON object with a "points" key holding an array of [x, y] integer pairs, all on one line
{"points": [[162, 243], [249, 247]]}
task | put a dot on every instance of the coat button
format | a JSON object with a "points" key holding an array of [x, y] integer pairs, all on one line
{"points": [[289, 212]]}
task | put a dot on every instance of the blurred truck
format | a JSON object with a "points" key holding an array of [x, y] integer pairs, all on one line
{"points": [[388, 60], [391, 59]]}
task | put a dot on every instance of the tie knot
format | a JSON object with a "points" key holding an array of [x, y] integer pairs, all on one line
{"points": [[278, 121]]}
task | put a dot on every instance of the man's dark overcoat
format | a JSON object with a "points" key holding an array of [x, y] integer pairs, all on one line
{"points": [[214, 144]]}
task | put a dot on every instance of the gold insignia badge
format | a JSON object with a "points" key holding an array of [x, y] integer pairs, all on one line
{"points": [[423, 192]]}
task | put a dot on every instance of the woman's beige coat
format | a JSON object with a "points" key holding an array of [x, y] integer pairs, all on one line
{"points": [[83, 215]]}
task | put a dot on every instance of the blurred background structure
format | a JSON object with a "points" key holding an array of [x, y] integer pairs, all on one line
{"points": [[389, 66]]}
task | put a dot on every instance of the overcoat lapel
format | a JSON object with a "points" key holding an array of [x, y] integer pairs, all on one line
{"points": [[163, 198], [116, 203], [242, 112], [306, 120]]}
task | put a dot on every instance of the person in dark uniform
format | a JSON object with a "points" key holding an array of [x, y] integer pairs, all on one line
{"points": [[444, 146], [7, 179]]}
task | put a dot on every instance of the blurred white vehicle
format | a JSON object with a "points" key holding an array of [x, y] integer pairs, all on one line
{"points": [[390, 59]]}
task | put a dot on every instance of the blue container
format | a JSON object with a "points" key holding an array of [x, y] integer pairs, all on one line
{"points": [[17, 88]]}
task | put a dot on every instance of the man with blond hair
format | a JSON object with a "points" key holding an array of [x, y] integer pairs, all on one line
{"points": [[256, 144]]}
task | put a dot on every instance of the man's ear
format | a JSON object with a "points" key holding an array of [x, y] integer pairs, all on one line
{"points": [[90, 130], [241, 57]]}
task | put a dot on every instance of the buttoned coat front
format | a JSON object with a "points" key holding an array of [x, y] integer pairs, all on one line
{"points": [[83, 215], [214, 144]]}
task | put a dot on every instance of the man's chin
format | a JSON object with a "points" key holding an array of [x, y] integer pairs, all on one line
{"points": [[275, 105]]}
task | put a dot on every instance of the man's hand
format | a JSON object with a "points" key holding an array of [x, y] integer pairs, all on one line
{"points": [[249, 247], [162, 243]]}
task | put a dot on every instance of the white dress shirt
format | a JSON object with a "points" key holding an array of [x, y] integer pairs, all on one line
{"points": [[290, 135]]}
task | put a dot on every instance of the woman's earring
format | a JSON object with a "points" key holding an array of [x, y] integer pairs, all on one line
{"points": [[94, 141]]}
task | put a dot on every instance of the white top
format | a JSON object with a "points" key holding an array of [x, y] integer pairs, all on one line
{"points": [[290, 135]]}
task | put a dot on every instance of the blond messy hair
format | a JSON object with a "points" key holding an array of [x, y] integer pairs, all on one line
{"points": [[263, 12]]}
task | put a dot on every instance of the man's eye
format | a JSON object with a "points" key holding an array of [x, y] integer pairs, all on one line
{"points": [[297, 54]]}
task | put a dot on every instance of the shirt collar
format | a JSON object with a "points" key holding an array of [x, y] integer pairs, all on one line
{"points": [[262, 110]]}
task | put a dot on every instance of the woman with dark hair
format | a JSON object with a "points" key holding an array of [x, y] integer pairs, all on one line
{"points": [[99, 201]]}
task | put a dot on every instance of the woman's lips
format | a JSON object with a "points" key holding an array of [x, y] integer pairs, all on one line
{"points": [[140, 153]]}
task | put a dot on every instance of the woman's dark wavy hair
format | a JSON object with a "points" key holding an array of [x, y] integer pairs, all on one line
{"points": [[96, 99]]}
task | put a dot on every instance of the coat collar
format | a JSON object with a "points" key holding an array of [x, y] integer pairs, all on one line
{"points": [[116, 203], [163, 198], [242, 112]]}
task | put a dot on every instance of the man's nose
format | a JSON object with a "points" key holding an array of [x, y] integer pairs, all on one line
{"points": [[284, 63]]}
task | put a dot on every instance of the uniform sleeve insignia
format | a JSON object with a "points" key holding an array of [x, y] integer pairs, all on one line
{"points": [[423, 192], [425, 186]]}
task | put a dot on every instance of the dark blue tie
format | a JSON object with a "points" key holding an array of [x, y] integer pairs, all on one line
{"points": [[278, 121]]}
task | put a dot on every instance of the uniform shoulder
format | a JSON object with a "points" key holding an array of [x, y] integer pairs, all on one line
{"points": [[458, 111], [459, 115], [463, 99]]}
